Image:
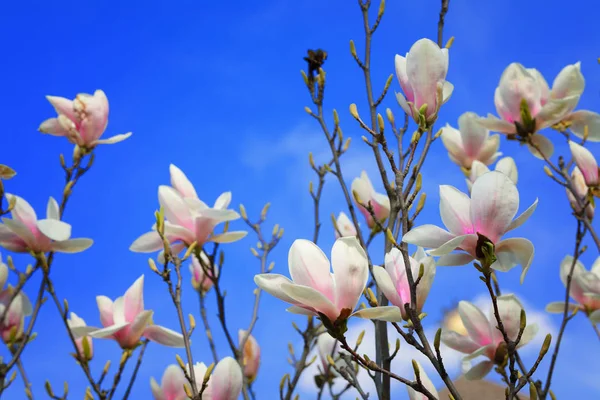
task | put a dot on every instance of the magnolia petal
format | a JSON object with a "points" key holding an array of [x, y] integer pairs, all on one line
{"points": [[447, 91], [586, 162], [428, 236], [558, 307], [223, 201], [350, 270], [310, 297], [147, 243], [496, 124], [72, 245], [523, 217], [455, 259], [21, 230], [81, 331], [426, 382], [459, 342], [133, 300], [455, 208], [300, 311], [52, 209], [426, 66], [528, 334], [449, 246], [166, 337], [387, 286], [595, 317], [227, 380], [555, 111], [475, 323], [479, 371], [381, 313], [512, 252], [175, 209], [403, 103], [54, 229], [52, 127], [568, 82], [105, 306], [582, 118], [228, 237], [108, 331], [310, 267], [138, 326], [181, 183], [112, 139], [271, 283]]}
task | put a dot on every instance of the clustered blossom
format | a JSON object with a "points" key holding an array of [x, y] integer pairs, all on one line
{"points": [[11, 327], [526, 105], [393, 281], [422, 76], [365, 195], [82, 121], [188, 219], [200, 280], [251, 351], [471, 142], [345, 227], [314, 290], [489, 212], [225, 382], [506, 165], [24, 232], [483, 338], [125, 321], [585, 288]]}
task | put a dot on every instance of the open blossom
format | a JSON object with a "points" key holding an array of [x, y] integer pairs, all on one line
{"points": [[483, 338], [413, 394], [470, 142], [506, 165], [393, 281], [586, 162], [251, 355], [585, 288], [344, 226], [171, 385], [365, 194], [126, 321], [24, 232], [201, 281], [75, 321], [489, 212], [314, 290], [226, 381], [520, 87], [11, 328], [422, 76], [581, 190], [188, 219], [82, 121]]}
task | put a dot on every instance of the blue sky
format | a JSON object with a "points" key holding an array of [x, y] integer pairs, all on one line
{"points": [[214, 87]]}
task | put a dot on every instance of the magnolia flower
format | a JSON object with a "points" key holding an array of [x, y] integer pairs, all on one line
{"points": [[526, 105], [226, 381], [11, 328], [585, 288], [470, 142], [344, 226], [581, 190], [314, 290], [413, 394], [126, 321], [489, 212], [82, 121], [201, 281], [506, 165], [75, 322], [251, 355], [393, 281], [483, 337], [171, 386], [189, 219], [327, 346], [586, 162], [364, 194], [422, 76], [24, 232]]}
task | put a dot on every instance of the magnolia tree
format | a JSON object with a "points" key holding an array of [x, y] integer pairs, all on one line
{"points": [[394, 280]]}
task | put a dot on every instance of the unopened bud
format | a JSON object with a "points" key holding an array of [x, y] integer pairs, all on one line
{"points": [[263, 213], [243, 212], [346, 145], [381, 9], [390, 115], [308, 110], [271, 266], [354, 111], [311, 160], [449, 42], [305, 78], [353, 49], [359, 340], [380, 123], [548, 171], [390, 237], [336, 117], [254, 252]]}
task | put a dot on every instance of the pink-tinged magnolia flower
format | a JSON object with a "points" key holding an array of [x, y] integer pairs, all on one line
{"points": [[251, 355], [188, 219], [483, 337], [506, 165], [470, 142], [126, 321], [24, 232], [364, 194], [328, 346], [521, 86], [393, 281], [489, 212], [585, 289], [344, 226], [422, 76], [413, 394], [82, 121], [76, 322], [581, 190], [201, 281], [171, 385], [11, 328], [226, 381], [314, 290], [586, 162]]}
